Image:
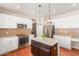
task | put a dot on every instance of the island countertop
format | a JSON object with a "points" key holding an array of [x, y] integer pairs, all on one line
{"points": [[47, 41]]}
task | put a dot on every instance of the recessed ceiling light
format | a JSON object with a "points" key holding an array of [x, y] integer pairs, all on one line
{"points": [[54, 11], [73, 4], [32, 12], [18, 6]]}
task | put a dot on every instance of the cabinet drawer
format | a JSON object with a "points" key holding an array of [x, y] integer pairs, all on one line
{"points": [[43, 52], [34, 42], [41, 45]]}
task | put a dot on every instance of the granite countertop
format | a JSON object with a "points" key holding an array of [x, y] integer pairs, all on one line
{"points": [[47, 41], [1, 37]]}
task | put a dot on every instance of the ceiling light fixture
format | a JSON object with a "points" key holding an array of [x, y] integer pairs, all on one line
{"points": [[49, 18], [49, 11], [32, 12], [39, 12], [73, 4], [54, 11], [18, 6]]}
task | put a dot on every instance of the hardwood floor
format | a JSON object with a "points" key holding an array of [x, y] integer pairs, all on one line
{"points": [[21, 52], [27, 52], [66, 52]]}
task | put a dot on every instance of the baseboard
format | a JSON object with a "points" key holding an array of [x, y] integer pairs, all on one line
{"points": [[75, 47]]}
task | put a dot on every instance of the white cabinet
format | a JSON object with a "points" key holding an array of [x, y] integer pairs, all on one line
{"points": [[1, 20], [75, 43], [8, 44], [9, 21], [9, 24], [64, 41]]}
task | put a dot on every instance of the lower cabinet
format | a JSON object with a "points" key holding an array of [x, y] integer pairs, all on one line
{"points": [[54, 50], [34, 50], [8, 44], [64, 41], [40, 49]]}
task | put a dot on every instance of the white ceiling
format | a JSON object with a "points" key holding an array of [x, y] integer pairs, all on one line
{"points": [[31, 10]]}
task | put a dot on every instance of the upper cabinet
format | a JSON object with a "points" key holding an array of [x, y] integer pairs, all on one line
{"points": [[1, 20], [9, 21]]}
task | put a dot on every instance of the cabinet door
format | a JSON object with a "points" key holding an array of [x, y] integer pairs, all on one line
{"points": [[34, 50], [1, 21], [34, 47], [8, 44], [8, 21], [54, 50]]}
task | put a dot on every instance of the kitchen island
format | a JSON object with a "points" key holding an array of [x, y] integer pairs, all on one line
{"points": [[44, 47]]}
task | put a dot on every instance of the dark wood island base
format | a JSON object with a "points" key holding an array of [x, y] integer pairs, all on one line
{"points": [[47, 47]]}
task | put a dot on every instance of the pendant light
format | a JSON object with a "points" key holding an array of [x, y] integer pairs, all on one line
{"points": [[49, 18], [39, 21], [49, 11]]}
